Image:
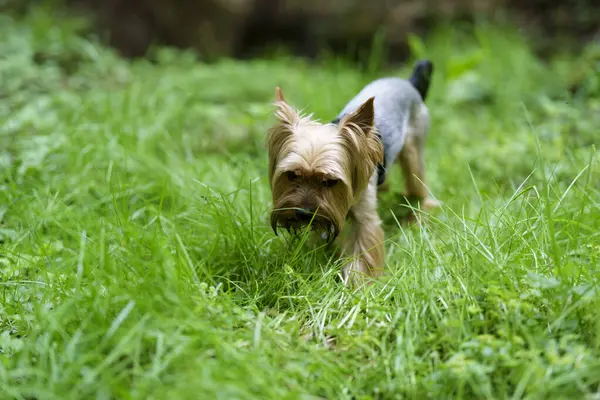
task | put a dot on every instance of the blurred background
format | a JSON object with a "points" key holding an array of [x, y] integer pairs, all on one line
{"points": [[250, 28]]}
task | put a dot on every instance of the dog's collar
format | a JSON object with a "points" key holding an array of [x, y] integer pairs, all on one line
{"points": [[381, 167]]}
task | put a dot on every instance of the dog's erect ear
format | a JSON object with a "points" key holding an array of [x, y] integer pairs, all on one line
{"points": [[358, 132], [284, 113], [280, 134], [364, 116], [279, 94]]}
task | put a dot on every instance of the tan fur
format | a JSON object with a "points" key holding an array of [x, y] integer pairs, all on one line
{"points": [[364, 243], [412, 164], [331, 172]]}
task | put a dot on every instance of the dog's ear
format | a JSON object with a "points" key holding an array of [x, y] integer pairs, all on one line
{"points": [[364, 116], [366, 150], [279, 94], [284, 112], [280, 134]]}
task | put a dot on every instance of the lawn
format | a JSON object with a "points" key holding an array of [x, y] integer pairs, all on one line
{"points": [[137, 260]]}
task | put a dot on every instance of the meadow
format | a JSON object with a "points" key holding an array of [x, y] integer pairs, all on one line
{"points": [[137, 260]]}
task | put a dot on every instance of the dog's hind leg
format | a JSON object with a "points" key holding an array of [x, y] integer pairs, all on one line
{"points": [[412, 162]]}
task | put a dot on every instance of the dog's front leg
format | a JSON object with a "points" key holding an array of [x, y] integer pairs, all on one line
{"points": [[364, 244]]}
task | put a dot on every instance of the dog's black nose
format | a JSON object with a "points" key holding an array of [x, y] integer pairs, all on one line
{"points": [[303, 214]]}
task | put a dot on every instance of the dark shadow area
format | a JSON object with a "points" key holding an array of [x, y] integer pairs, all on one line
{"points": [[250, 28]]}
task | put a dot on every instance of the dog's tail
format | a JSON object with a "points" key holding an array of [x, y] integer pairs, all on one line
{"points": [[421, 77]]}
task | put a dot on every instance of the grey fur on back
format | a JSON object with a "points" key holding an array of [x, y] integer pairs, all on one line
{"points": [[397, 103]]}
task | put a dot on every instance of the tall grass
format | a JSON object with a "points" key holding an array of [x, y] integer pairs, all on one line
{"points": [[137, 260]]}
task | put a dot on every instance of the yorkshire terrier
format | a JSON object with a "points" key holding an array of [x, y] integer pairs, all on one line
{"points": [[325, 175]]}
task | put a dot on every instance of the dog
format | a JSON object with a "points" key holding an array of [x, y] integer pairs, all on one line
{"points": [[326, 176]]}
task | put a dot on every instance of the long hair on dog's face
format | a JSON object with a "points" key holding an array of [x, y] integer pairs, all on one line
{"points": [[317, 171]]}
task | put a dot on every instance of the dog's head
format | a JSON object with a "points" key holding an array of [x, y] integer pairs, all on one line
{"points": [[317, 171]]}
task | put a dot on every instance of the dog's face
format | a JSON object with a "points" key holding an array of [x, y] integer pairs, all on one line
{"points": [[317, 171]]}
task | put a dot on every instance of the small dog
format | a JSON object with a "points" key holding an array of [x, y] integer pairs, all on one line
{"points": [[324, 175]]}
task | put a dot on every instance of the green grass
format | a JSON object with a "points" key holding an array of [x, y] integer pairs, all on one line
{"points": [[137, 261]]}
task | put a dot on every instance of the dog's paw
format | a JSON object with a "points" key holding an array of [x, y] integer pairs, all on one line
{"points": [[416, 214], [356, 274], [430, 204]]}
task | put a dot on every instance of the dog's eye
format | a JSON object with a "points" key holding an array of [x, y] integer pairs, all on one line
{"points": [[291, 175], [330, 182]]}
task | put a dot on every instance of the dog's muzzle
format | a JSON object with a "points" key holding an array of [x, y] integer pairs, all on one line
{"points": [[295, 220]]}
